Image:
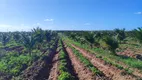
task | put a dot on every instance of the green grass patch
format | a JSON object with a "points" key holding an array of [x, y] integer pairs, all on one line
{"points": [[85, 61], [64, 74]]}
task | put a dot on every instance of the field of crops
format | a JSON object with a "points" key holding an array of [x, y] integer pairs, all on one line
{"points": [[71, 55]]}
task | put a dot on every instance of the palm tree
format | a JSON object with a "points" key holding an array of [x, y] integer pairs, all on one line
{"points": [[112, 43], [72, 36], [48, 36], [17, 37], [138, 34], [39, 35], [5, 38], [90, 37], [28, 42], [120, 34]]}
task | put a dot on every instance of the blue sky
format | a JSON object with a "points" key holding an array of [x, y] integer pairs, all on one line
{"points": [[70, 14]]}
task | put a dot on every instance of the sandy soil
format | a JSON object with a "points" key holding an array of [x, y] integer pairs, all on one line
{"points": [[83, 72], [54, 70], [108, 70]]}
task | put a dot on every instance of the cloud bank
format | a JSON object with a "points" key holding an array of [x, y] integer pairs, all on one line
{"points": [[138, 13]]}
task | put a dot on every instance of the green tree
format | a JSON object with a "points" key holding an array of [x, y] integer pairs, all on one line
{"points": [[29, 42], [5, 38], [120, 34], [112, 43], [90, 37], [17, 37], [38, 34], [138, 34]]}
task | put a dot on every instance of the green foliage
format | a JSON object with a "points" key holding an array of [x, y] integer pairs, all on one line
{"points": [[38, 33], [63, 70], [48, 35], [90, 37], [17, 37], [5, 38], [138, 34], [112, 43], [18, 50], [120, 34], [13, 63], [113, 59], [128, 70], [65, 76], [86, 62], [28, 42]]}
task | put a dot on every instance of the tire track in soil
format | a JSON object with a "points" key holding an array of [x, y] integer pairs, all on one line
{"points": [[82, 72], [70, 67], [108, 70], [40, 69], [54, 70], [45, 72]]}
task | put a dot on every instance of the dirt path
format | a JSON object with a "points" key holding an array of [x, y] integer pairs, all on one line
{"points": [[136, 72], [108, 70], [129, 53], [70, 67], [81, 70], [54, 70], [40, 69]]}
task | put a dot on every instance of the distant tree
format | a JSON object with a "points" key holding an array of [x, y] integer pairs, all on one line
{"points": [[120, 34], [72, 36], [48, 35], [17, 37], [38, 33], [112, 43], [138, 34], [90, 37], [5, 38], [28, 42]]}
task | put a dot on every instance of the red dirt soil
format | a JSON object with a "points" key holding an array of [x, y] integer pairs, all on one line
{"points": [[108, 70], [40, 69], [128, 53], [54, 70], [83, 72]]}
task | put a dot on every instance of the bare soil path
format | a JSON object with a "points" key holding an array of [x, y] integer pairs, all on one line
{"points": [[40, 69], [54, 70], [83, 72], [69, 66], [108, 70]]}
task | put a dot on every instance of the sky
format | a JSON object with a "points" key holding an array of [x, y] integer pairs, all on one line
{"points": [[23, 15]]}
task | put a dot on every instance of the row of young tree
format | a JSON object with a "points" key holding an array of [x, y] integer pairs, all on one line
{"points": [[29, 40], [111, 38]]}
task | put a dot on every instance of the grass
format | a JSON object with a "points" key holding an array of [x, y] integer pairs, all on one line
{"points": [[112, 59], [85, 61], [64, 74], [12, 63]]}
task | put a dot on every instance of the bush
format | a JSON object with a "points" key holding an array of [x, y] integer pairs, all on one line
{"points": [[13, 63], [65, 76]]}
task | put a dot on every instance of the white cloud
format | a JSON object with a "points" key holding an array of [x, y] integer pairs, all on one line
{"points": [[49, 20], [138, 13], [36, 25], [7, 27], [44, 27], [87, 24], [23, 27]]}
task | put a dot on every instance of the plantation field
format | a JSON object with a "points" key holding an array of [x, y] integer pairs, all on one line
{"points": [[71, 55]]}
